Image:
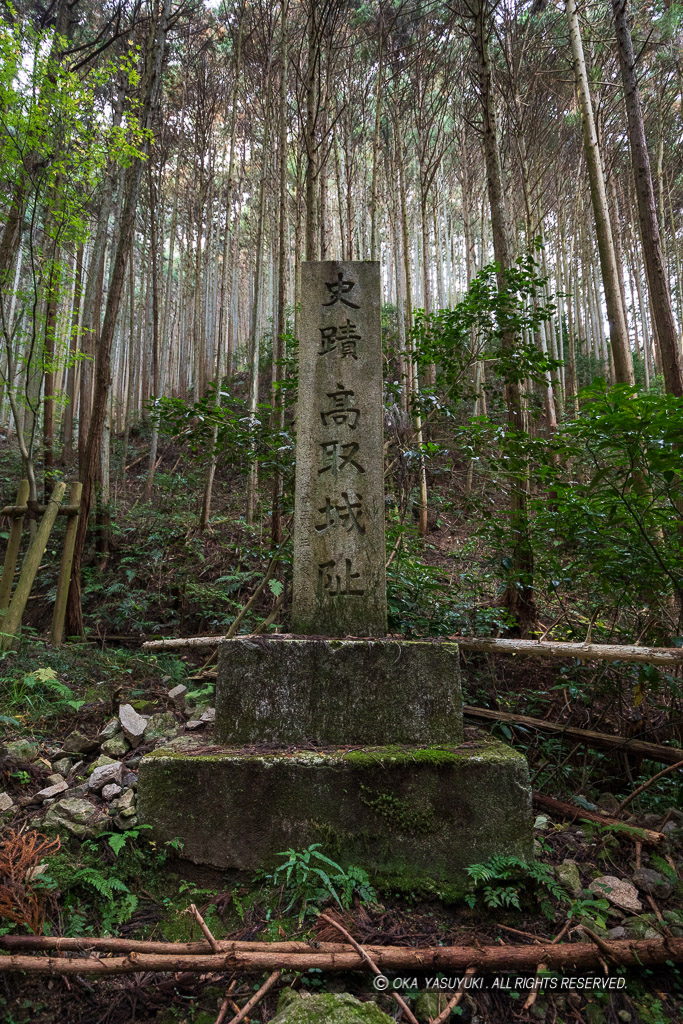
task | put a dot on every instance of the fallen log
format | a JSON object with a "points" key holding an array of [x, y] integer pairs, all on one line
{"points": [[89, 944], [113, 945], [572, 812], [568, 649], [652, 751], [190, 641], [486, 959], [538, 648]]}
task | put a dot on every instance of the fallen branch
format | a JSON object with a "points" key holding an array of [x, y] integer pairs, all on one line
{"points": [[234, 625], [204, 927], [256, 998], [485, 959], [228, 1001], [537, 648], [646, 785], [263, 626], [533, 995], [407, 1012], [653, 751], [568, 649], [114, 945], [452, 1003], [571, 811], [17, 511], [189, 641]]}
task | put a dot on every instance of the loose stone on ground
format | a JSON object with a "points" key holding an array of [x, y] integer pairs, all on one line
{"points": [[132, 723], [77, 816], [617, 891], [105, 775]]}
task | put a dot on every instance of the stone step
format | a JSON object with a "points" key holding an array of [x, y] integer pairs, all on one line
{"points": [[412, 813]]}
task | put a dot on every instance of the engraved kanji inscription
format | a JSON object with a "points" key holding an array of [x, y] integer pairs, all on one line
{"points": [[346, 334], [347, 514], [338, 289], [341, 411], [336, 457], [339, 577], [337, 580]]}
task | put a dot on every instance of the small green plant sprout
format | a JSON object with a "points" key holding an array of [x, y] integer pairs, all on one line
{"points": [[118, 840], [276, 587], [489, 877], [41, 693], [308, 878], [591, 911]]}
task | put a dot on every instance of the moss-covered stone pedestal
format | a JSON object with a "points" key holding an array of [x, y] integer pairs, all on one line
{"points": [[356, 745], [417, 813]]}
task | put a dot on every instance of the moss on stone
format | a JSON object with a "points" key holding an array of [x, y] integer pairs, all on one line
{"points": [[432, 755], [327, 1008], [289, 691], [399, 815], [396, 754], [409, 883], [411, 813]]}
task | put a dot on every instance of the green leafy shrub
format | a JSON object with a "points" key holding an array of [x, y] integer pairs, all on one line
{"points": [[39, 694], [96, 882], [612, 525], [308, 878], [503, 881]]}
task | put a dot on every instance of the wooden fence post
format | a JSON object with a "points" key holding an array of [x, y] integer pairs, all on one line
{"points": [[59, 613], [12, 553], [11, 623]]}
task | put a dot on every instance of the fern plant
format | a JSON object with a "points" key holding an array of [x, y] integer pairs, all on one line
{"points": [[117, 840], [503, 869], [88, 888], [308, 878], [38, 693], [105, 885], [96, 884]]}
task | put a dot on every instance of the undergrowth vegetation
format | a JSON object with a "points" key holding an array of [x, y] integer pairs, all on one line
{"points": [[604, 535]]}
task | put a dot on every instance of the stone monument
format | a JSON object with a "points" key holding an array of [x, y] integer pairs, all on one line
{"points": [[339, 548], [340, 735]]}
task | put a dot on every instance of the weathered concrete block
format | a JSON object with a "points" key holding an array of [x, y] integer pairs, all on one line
{"points": [[291, 691], [410, 813]]}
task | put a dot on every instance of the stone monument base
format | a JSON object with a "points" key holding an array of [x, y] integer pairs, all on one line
{"points": [[298, 691], [404, 813]]}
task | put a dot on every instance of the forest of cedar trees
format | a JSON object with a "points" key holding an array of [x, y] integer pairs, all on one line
{"points": [[166, 168]]}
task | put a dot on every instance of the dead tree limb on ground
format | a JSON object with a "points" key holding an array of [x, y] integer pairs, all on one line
{"points": [[572, 811], [485, 959], [653, 751]]}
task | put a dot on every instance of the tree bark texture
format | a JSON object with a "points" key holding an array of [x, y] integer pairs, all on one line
{"points": [[621, 350], [657, 277]]}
